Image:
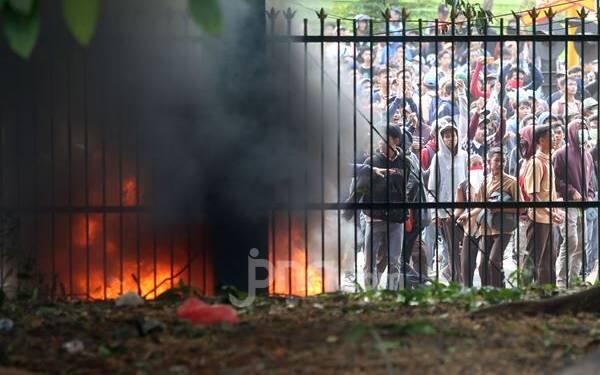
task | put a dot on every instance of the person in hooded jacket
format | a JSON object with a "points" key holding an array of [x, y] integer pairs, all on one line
{"points": [[448, 169], [573, 168], [384, 232]]}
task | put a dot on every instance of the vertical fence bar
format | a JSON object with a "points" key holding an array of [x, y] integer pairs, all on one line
{"points": [[103, 187], [584, 192], [17, 140], [339, 158], [354, 153], [138, 230], [387, 145], [500, 80], [69, 176], [597, 200], [405, 253], [288, 17], [154, 257], [452, 250], [35, 197], [322, 17], [121, 234], [550, 15], [52, 68], [86, 176], [534, 228], [18, 125], [422, 188], [518, 156], [467, 240], [437, 168], [373, 274], [485, 243], [597, 208], [566, 172], [273, 217], [307, 161]]}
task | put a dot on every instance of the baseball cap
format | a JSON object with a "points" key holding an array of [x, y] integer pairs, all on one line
{"points": [[430, 79], [589, 102]]}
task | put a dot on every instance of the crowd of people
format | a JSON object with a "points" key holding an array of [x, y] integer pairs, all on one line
{"points": [[473, 122]]}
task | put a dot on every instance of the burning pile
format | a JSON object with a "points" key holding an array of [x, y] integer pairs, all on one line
{"points": [[112, 253], [296, 275]]}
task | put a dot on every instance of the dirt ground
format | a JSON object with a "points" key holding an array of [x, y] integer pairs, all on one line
{"points": [[331, 334]]}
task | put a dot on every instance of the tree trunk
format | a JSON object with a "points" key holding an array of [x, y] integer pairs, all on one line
{"points": [[585, 301]]}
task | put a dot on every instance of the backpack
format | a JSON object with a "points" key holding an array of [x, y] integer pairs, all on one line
{"points": [[500, 221]]}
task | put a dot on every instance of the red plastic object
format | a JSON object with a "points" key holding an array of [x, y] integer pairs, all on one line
{"points": [[201, 313]]}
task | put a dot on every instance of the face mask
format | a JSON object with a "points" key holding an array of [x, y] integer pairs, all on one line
{"points": [[594, 136], [584, 137]]}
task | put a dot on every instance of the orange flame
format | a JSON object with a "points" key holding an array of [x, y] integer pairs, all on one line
{"points": [[148, 278], [303, 277]]}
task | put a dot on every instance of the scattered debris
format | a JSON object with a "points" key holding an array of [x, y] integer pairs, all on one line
{"points": [[386, 336], [201, 313], [6, 325], [179, 370], [332, 339], [129, 299], [149, 326], [73, 346]]}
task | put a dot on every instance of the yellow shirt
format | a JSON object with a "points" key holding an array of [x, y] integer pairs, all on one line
{"points": [[540, 181]]}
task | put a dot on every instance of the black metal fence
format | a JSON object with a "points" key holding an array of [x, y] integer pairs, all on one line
{"points": [[77, 211], [450, 150]]}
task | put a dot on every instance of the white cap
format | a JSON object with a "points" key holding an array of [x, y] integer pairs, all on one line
{"points": [[589, 102]]}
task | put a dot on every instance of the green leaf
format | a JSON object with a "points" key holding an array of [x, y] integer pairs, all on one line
{"points": [[23, 7], [22, 31], [207, 15], [81, 17]]}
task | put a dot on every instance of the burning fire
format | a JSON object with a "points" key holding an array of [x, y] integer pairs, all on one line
{"points": [[152, 280], [306, 278]]}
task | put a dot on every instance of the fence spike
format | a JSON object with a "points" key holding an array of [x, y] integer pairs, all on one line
{"points": [[550, 13], [533, 13], [582, 13], [289, 13], [453, 15], [272, 14], [405, 14], [469, 14], [321, 14], [387, 14], [516, 15]]}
